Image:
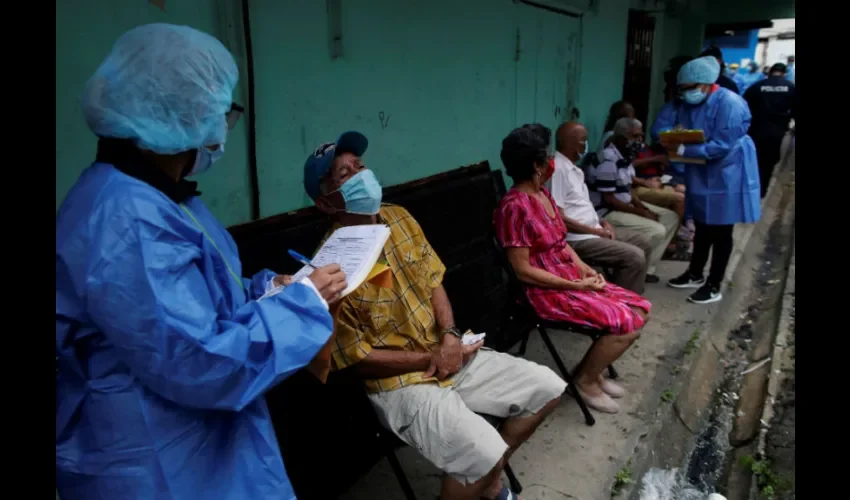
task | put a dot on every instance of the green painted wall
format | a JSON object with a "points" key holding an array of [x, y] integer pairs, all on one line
{"points": [[85, 32], [602, 63], [443, 74]]}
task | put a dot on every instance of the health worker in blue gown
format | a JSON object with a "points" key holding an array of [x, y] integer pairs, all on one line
{"points": [[725, 190], [163, 350]]}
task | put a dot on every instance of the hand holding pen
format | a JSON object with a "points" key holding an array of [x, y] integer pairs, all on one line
{"points": [[329, 280]]}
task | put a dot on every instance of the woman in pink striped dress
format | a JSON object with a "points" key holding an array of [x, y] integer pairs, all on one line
{"points": [[559, 285]]}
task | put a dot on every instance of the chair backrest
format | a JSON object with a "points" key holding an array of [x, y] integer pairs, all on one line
{"points": [[524, 312], [516, 288]]}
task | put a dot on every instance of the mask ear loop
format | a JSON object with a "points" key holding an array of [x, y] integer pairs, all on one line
{"points": [[337, 190]]}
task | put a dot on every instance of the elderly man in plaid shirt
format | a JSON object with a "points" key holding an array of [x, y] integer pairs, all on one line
{"points": [[426, 385]]}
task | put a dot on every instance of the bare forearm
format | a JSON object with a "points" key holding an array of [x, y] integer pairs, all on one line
{"points": [[574, 255], [545, 279], [382, 363], [638, 182], [619, 205], [577, 227], [442, 308], [645, 161], [638, 204]]}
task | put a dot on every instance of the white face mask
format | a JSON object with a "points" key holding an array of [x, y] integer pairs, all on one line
{"points": [[583, 150], [204, 159]]}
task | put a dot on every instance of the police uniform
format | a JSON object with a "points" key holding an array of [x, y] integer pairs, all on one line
{"points": [[773, 103]]}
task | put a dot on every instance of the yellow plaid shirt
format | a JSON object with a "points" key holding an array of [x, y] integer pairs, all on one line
{"points": [[400, 317]]}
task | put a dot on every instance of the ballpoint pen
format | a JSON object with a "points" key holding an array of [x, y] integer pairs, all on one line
{"points": [[300, 258]]}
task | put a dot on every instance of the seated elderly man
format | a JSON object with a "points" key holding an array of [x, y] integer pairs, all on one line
{"points": [[426, 386], [611, 191], [592, 238]]}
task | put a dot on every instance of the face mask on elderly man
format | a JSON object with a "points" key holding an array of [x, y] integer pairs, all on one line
{"points": [[362, 193]]}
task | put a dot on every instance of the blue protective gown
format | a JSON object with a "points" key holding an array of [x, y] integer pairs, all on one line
{"points": [[163, 356], [726, 189]]}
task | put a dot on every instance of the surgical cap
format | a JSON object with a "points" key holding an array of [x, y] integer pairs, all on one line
{"points": [[700, 70], [165, 87]]}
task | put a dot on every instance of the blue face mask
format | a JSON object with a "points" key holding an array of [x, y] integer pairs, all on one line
{"points": [[204, 159], [362, 194], [694, 96]]}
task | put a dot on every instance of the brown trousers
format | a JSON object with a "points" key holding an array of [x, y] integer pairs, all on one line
{"points": [[627, 255]]}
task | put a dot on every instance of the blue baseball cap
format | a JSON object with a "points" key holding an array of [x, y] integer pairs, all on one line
{"points": [[319, 163]]}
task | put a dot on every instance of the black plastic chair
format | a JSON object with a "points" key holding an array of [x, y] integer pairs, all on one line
{"points": [[518, 300]]}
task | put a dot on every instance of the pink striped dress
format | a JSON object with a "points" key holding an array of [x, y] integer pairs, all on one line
{"points": [[521, 221]]}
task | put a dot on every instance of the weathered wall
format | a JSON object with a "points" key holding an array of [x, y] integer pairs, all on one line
{"points": [[85, 32], [443, 76], [446, 76]]}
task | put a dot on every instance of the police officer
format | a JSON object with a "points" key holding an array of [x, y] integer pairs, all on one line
{"points": [[773, 103]]}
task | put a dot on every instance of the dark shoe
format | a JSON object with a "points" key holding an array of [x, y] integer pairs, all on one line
{"points": [[504, 494], [651, 278], [686, 280], [706, 295]]}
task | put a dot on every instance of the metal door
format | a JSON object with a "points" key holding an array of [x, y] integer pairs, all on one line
{"points": [[638, 76], [547, 45]]}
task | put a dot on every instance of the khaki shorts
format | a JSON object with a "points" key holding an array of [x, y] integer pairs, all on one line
{"points": [[442, 423], [666, 197]]}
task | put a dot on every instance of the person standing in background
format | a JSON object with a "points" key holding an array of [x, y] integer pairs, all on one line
{"points": [[722, 80], [751, 76], [725, 190], [773, 104], [792, 70]]}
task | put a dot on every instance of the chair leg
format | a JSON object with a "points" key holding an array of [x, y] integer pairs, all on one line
{"points": [[588, 417], [400, 476], [516, 487], [524, 344]]}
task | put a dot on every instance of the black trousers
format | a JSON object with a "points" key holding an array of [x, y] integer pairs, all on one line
{"points": [[768, 152], [718, 240]]}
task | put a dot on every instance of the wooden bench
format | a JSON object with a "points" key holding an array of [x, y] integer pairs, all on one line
{"points": [[328, 434]]}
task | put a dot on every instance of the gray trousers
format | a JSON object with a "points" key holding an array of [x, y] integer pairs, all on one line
{"points": [[627, 255], [660, 233]]}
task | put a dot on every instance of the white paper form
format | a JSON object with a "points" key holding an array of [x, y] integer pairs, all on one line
{"points": [[354, 248]]}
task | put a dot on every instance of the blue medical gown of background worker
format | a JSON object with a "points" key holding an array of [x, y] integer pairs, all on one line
{"points": [[726, 189], [163, 356]]}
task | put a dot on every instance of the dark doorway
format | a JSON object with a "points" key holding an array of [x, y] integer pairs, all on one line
{"points": [[638, 77]]}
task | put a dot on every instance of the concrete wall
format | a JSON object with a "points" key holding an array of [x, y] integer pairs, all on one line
{"points": [[444, 76], [85, 32]]}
